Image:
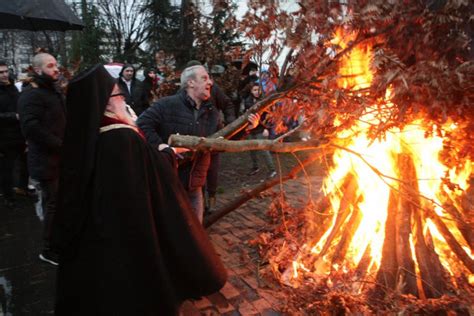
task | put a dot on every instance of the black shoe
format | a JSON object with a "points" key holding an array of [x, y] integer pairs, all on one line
{"points": [[49, 257], [254, 171]]}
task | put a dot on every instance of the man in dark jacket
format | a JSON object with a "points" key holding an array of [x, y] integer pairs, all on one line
{"points": [[218, 98], [43, 120], [189, 112], [222, 102], [12, 143], [132, 88]]}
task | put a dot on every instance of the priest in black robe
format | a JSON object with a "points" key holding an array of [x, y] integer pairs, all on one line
{"points": [[128, 241]]}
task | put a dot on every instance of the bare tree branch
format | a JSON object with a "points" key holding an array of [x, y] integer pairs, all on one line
{"points": [[202, 143], [248, 195]]}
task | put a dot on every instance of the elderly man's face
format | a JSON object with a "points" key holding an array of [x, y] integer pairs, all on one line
{"points": [[128, 73], [4, 74], [119, 108], [202, 84], [117, 98]]}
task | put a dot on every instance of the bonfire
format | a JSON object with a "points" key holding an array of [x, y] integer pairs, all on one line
{"points": [[393, 227]]}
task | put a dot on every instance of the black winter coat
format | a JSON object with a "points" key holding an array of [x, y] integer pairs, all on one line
{"points": [[137, 98], [175, 114], [10, 132], [43, 120], [141, 250], [221, 101]]}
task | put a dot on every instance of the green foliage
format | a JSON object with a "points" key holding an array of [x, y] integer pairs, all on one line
{"points": [[86, 47], [164, 27]]}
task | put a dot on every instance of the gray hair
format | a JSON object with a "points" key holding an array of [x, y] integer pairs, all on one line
{"points": [[189, 74], [38, 59]]}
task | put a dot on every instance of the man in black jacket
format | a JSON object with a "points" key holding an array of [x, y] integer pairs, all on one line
{"points": [[43, 120], [12, 143], [135, 96], [189, 112], [222, 102]]}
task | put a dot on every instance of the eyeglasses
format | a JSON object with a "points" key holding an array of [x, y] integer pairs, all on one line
{"points": [[117, 94]]}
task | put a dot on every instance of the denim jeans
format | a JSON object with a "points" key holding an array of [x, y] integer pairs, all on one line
{"points": [[213, 175], [267, 156], [48, 191]]}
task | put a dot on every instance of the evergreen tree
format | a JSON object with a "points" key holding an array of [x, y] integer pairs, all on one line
{"points": [[86, 47], [164, 26], [216, 34]]}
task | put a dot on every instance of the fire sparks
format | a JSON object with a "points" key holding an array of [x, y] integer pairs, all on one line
{"points": [[388, 199]]}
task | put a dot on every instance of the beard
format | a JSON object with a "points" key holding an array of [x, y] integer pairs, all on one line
{"points": [[122, 112]]}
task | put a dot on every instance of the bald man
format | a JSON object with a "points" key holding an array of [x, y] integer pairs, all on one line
{"points": [[43, 120]]}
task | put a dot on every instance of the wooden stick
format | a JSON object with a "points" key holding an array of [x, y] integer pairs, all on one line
{"points": [[466, 230], [429, 265], [364, 263], [242, 121], [451, 241], [349, 230], [349, 198], [387, 274], [406, 272], [201, 143]]}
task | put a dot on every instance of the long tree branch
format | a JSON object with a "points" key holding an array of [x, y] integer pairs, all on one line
{"points": [[201, 143], [241, 122], [248, 195]]}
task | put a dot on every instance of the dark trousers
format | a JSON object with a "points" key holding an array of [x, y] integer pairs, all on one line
{"points": [[213, 174], [7, 163], [267, 156], [20, 172], [49, 191]]}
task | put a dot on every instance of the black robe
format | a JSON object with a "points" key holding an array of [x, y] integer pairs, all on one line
{"points": [[141, 250]]}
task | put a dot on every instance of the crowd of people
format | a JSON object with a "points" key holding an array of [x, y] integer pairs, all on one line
{"points": [[116, 198]]}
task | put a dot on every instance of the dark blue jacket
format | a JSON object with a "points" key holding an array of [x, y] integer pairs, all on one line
{"points": [[176, 114]]}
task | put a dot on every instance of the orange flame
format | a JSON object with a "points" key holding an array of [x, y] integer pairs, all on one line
{"points": [[374, 168]]}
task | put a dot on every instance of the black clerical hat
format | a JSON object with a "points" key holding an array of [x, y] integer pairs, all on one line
{"points": [[87, 96]]}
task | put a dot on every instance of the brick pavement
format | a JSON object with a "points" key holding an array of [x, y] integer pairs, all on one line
{"points": [[246, 292]]}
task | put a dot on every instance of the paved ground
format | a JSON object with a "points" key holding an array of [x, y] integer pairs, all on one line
{"points": [[27, 285], [247, 292]]}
